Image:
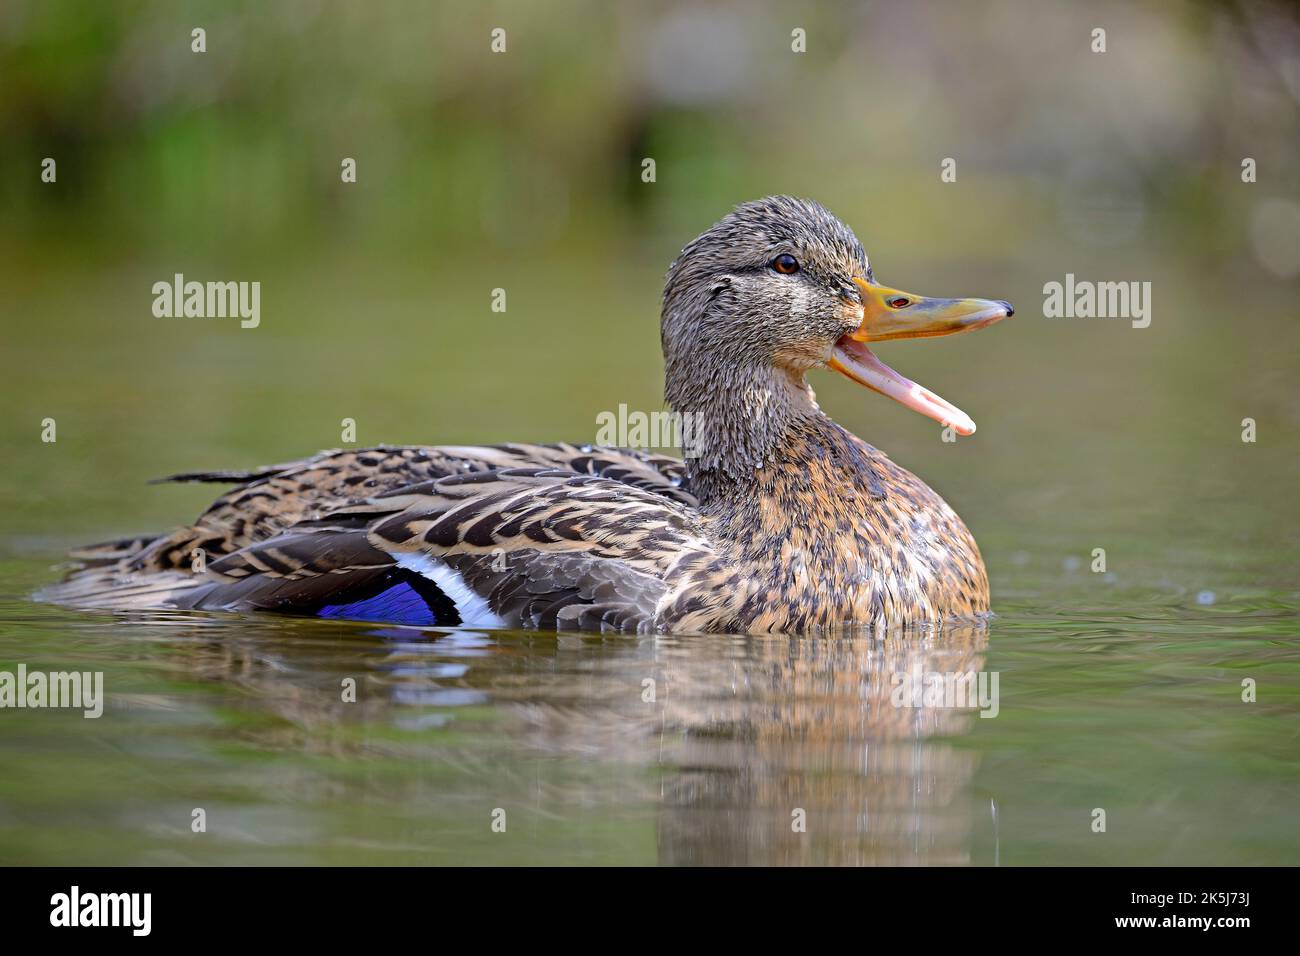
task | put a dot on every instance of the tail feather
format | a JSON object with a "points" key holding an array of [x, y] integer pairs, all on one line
{"points": [[110, 552], [112, 589], [218, 477]]}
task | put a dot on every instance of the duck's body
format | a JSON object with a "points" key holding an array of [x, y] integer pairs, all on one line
{"points": [[780, 521]]}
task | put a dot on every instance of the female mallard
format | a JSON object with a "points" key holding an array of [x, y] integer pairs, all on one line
{"points": [[779, 521]]}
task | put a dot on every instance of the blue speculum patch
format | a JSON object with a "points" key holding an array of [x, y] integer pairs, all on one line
{"points": [[399, 604]]}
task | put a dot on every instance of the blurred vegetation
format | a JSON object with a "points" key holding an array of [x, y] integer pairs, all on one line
{"points": [[541, 146]]}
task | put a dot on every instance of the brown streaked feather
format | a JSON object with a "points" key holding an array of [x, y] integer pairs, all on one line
{"points": [[278, 497], [110, 552], [289, 571], [546, 591], [586, 534]]}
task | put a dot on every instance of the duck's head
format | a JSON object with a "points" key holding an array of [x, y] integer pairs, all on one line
{"points": [[780, 286]]}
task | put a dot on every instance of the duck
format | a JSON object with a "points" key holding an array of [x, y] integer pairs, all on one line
{"points": [[774, 520]]}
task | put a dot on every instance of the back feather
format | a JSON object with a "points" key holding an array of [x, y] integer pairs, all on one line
{"points": [[543, 536]]}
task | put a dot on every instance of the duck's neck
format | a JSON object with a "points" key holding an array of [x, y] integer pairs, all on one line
{"points": [[740, 424]]}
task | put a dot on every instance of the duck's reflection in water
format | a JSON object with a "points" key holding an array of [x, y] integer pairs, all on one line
{"points": [[796, 750], [746, 750]]}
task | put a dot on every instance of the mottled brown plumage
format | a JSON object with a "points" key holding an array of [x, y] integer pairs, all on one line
{"points": [[780, 521]]}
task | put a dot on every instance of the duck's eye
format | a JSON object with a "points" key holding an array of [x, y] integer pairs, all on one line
{"points": [[785, 264], [898, 301]]}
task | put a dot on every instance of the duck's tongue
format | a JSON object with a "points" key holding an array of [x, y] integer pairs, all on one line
{"points": [[855, 360]]}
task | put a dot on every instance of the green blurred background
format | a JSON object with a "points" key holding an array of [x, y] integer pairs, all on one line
{"points": [[522, 171]]}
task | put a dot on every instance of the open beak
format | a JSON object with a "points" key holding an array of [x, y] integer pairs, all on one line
{"points": [[891, 314]]}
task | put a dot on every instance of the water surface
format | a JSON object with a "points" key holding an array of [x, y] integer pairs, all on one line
{"points": [[1137, 713]]}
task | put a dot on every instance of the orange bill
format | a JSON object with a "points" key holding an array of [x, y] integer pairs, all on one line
{"points": [[893, 314]]}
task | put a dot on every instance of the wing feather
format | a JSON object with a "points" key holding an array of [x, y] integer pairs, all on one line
{"points": [[547, 535]]}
